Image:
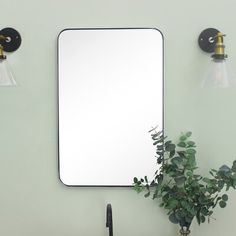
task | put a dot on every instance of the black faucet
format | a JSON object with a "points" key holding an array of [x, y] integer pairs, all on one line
{"points": [[109, 223]]}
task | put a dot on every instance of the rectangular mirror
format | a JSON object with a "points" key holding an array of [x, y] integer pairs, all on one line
{"points": [[110, 95]]}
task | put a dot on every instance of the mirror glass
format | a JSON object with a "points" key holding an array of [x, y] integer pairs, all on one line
{"points": [[110, 85]]}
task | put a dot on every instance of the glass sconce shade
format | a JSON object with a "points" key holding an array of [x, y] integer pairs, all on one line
{"points": [[219, 75], [6, 77]]}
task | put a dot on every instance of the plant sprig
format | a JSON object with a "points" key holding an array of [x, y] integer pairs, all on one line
{"points": [[182, 192]]}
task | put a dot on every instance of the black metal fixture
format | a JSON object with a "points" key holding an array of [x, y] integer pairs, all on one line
{"points": [[109, 222], [10, 41], [211, 40]]}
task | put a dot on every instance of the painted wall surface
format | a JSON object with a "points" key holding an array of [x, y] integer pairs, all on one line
{"points": [[32, 199]]}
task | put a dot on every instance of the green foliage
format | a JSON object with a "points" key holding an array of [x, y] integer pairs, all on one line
{"points": [[183, 193]]}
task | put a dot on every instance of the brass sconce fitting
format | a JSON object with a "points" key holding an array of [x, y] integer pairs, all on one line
{"points": [[211, 40], [2, 56], [219, 51]]}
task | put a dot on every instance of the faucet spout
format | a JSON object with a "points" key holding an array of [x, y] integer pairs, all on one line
{"points": [[109, 223]]}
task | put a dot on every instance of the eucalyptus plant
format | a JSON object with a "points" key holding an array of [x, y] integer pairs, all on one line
{"points": [[184, 193]]}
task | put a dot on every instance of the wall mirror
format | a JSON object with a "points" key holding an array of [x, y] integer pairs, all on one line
{"points": [[110, 95]]}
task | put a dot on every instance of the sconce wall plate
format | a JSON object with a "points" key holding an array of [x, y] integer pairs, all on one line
{"points": [[207, 40], [13, 39]]}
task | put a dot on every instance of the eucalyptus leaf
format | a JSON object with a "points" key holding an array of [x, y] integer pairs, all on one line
{"points": [[183, 138], [172, 203], [225, 197], [135, 180], [172, 153], [224, 168], [167, 143], [234, 166], [154, 129], [147, 194], [188, 173], [156, 142], [203, 219], [191, 144], [180, 180], [188, 134], [221, 184], [170, 147], [191, 151], [177, 160], [181, 144], [146, 179], [222, 204]]}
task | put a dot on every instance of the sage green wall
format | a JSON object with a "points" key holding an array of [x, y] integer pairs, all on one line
{"points": [[32, 200]]}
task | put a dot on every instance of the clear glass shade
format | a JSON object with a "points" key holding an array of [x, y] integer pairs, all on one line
{"points": [[219, 75], [6, 77]]}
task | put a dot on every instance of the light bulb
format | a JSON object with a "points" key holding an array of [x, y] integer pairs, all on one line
{"points": [[219, 75], [6, 77]]}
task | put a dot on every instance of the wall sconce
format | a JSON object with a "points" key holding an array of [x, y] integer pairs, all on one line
{"points": [[219, 76], [10, 41]]}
